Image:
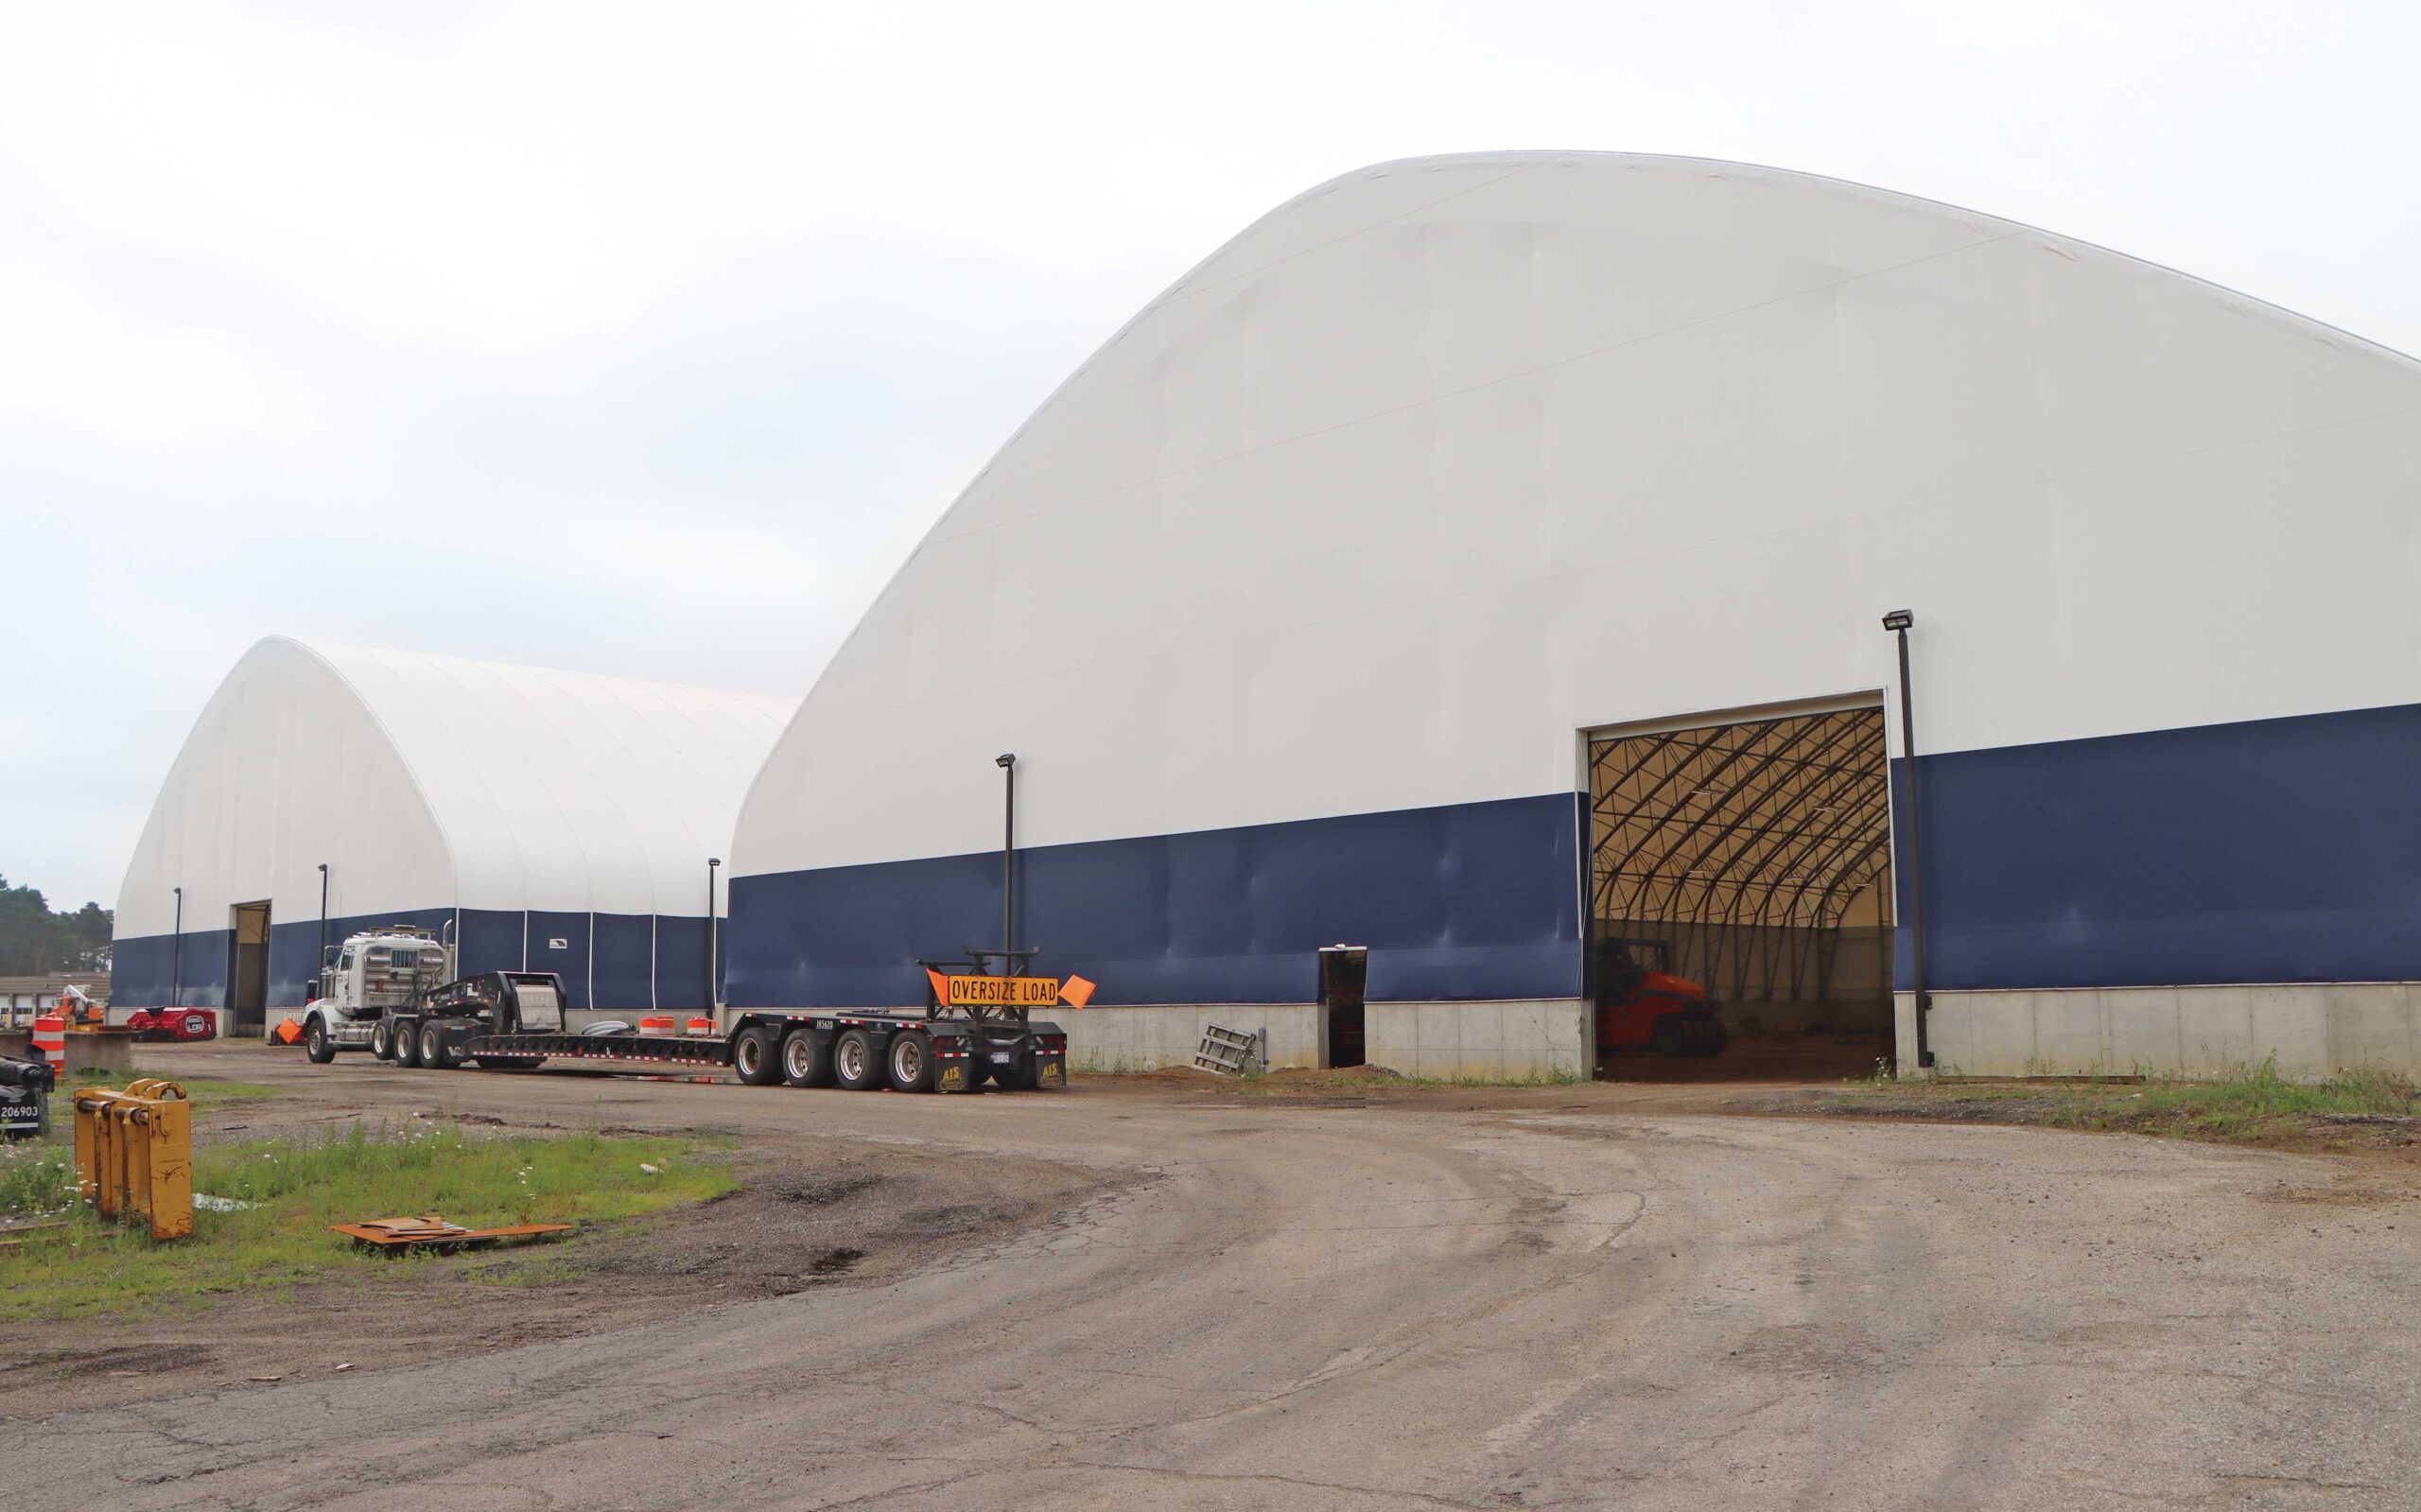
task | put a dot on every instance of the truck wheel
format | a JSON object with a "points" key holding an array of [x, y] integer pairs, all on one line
{"points": [[805, 1062], [1711, 1039], [382, 1041], [1017, 1076], [911, 1061], [433, 1053], [407, 1041], [856, 1064], [317, 1047], [753, 1057]]}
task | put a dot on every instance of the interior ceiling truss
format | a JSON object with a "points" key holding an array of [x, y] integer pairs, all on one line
{"points": [[1778, 823]]}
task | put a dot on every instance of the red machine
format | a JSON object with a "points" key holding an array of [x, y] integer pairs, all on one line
{"points": [[174, 1023], [1642, 1005]]}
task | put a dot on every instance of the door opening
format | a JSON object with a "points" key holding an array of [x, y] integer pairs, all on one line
{"points": [[248, 971], [1344, 968], [1740, 918]]}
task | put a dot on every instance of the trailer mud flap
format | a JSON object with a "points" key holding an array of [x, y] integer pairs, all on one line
{"points": [[1052, 1072], [952, 1077]]}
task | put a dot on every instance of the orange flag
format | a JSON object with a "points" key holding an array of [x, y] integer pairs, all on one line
{"points": [[1076, 991]]}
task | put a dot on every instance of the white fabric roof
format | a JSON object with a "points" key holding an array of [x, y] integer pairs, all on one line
{"points": [[1447, 460], [433, 781]]}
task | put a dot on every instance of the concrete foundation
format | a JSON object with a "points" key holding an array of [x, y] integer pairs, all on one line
{"points": [[1494, 1041], [1543, 1040], [1149, 1037], [2310, 1029]]}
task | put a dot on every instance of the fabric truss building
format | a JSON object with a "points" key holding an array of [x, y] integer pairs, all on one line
{"points": [[1479, 561], [556, 820]]}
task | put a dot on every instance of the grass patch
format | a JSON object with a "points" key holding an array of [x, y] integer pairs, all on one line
{"points": [[206, 1095], [2255, 1105], [298, 1189]]}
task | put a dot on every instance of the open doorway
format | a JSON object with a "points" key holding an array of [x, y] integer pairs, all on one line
{"points": [[1344, 968], [248, 971], [1740, 891]]}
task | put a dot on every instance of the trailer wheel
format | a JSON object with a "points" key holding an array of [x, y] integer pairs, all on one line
{"points": [[856, 1064], [382, 1041], [911, 1061], [316, 1047], [805, 1062], [407, 1043], [433, 1052], [1019, 1076], [753, 1057]]}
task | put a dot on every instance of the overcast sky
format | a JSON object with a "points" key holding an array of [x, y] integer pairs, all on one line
{"points": [[648, 339]]}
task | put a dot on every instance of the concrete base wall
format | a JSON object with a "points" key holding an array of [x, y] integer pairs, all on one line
{"points": [[2311, 1030], [1539, 1040], [1149, 1037], [1496, 1041]]}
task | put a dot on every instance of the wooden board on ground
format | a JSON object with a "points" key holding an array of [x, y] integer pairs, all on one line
{"points": [[429, 1231]]}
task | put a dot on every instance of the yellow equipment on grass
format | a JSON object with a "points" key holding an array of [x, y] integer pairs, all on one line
{"points": [[134, 1155]]}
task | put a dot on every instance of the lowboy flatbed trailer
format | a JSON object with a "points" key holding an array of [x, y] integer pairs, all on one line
{"points": [[514, 1020]]}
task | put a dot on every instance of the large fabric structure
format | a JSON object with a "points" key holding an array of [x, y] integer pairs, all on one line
{"points": [[1300, 600], [558, 819]]}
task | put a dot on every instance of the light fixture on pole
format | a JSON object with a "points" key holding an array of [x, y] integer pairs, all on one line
{"points": [[1899, 622]]}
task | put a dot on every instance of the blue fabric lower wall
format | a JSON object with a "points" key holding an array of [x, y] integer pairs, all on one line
{"points": [[1472, 901], [143, 970], [628, 946], [2274, 850]]}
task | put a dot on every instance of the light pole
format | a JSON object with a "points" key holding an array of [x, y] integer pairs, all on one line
{"points": [[1007, 762], [321, 964], [1899, 621], [712, 861], [177, 954]]}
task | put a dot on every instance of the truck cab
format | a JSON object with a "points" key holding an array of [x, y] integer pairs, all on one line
{"points": [[373, 974]]}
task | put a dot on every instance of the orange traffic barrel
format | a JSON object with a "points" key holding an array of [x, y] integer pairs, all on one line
{"points": [[657, 1024], [702, 1026], [50, 1043]]}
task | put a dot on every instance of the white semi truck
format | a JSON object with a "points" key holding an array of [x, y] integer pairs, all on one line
{"points": [[376, 973]]}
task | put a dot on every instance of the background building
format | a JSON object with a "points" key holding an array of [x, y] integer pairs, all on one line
{"points": [[556, 820], [1482, 554]]}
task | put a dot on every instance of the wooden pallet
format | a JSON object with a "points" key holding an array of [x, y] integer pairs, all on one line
{"points": [[429, 1231]]}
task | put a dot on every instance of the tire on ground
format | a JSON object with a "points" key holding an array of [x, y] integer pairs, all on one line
{"points": [[909, 1062], [1669, 1035], [382, 1041], [407, 1043], [433, 1052], [753, 1057], [857, 1062], [805, 1060], [317, 1047]]}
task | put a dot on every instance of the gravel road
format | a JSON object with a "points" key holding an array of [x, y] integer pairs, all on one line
{"points": [[1281, 1305]]}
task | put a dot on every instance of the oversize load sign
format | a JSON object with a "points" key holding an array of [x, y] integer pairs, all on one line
{"points": [[997, 992], [1008, 992]]}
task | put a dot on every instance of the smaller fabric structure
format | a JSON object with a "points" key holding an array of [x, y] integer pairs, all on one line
{"points": [[553, 820]]}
